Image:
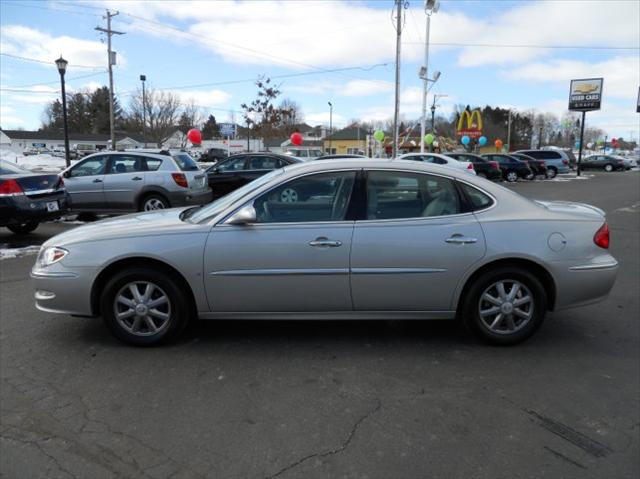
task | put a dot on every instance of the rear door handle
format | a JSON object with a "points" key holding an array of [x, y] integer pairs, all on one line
{"points": [[323, 242], [136, 178], [459, 239], [97, 181]]}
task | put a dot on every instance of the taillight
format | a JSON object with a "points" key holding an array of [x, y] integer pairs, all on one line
{"points": [[10, 188], [543, 163], [565, 162], [601, 238], [180, 179], [470, 166], [495, 165]]}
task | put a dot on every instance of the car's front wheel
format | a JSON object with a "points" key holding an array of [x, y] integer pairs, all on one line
{"points": [[608, 168], [144, 306], [511, 176], [504, 306], [23, 228]]}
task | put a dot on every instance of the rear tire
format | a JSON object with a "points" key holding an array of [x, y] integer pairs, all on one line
{"points": [[511, 176], [502, 319], [24, 228], [154, 202], [150, 317], [552, 172]]}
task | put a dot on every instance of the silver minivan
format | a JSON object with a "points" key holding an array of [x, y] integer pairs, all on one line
{"points": [[113, 181]]}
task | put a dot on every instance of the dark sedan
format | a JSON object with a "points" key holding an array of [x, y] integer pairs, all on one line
{"points": [[539, 167], [484, 168], [28, 198], [602, 162], [340, 157], [238, 170], [511, 167]]}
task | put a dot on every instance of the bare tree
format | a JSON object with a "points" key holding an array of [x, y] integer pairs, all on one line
{"points": [[292, 115], [161, 109], [261, 116]]}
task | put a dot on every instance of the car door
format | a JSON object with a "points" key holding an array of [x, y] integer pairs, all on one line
{"points": [[226, 176], [84, 183], [294, 258], [124, 181], [414, 245]]}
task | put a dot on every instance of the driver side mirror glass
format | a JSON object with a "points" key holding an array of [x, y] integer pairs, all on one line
{"points": [[244, 216]]}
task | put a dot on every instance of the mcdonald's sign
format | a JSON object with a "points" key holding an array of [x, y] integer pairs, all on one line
{"points": [[473, 126]]}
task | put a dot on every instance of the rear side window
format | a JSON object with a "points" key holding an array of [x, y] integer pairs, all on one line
{"points": [[264, 163], [126, 164], [544, 155], [185, 162], [476, 198], [153, 164]]}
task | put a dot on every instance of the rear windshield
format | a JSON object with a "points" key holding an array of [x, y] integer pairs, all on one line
{"points": [[9, 169], [185, 162]]}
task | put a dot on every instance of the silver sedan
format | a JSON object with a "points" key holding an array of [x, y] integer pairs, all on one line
{"points": [[375, 240]]}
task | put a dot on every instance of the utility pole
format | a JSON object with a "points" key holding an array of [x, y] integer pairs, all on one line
{"points": [[396, 111], [430, 7], [143, 78], [509, 133], [112, 61], [539, 138], [330, 127]]}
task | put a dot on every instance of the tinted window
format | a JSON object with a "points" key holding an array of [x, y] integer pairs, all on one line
{"points": [[264, 163], [320, 197], [234, 164], [92, 166], [543, 155], [392, 195], [153, 164], [435, 159], [476, 198], [185, 162], [126, 164]]}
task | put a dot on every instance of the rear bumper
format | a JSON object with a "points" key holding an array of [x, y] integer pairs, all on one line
{"points": [[588, 283], [22, 209], [188, 197]]}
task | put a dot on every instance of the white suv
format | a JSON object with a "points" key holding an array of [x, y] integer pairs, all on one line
{"points": [[438, 159]]}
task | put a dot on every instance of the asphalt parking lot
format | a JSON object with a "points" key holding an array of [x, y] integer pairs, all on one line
{"points": [[394, 399]]}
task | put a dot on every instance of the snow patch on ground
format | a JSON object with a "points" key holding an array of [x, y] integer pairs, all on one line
{"points": [[44, 163], [8, 253]]}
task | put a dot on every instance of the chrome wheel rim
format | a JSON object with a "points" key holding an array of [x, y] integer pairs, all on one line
{"points": [[551, 173], [506, 307], [512, 177], [289, 195], [142, 308], [608, 168], [153, 204]]}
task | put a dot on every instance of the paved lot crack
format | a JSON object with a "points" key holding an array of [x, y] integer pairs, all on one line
{"points": [[561, 456]]}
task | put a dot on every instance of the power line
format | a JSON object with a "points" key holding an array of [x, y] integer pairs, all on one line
{"points": [[504, 45], [58, 81], [51, 63], [40, 7]]}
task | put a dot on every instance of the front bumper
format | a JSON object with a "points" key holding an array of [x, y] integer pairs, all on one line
{"points": [[189, 198], [22, 209], [60, 291]]}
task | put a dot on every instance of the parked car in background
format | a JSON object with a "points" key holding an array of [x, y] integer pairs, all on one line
{"points": [[33, 150], [401, 239], [213, 155], [340, 156], [114, 181], [84, 150], [238, 170], [484, 168], [304, 153], [557, 161], [629, 162], [603, 162], [27, 198], [512, 168], [539, 167], [439, 159]]}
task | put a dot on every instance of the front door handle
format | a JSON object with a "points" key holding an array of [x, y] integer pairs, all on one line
{"points": [[97, 181], [459, 239], [136, 178], [323, 242]]}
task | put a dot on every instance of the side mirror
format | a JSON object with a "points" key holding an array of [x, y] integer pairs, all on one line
{"points": [[67, 174], [244, 216]]}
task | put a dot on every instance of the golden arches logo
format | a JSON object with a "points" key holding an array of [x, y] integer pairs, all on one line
{"points": [[473, 128]]}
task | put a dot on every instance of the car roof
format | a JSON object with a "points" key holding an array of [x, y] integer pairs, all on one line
{"points": [[438, 155]]}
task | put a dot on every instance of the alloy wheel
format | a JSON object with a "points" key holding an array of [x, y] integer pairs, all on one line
{"points": [[289, 195], [608, 168], [506, 307], [512, 176], [153, 204], [142, 308]]}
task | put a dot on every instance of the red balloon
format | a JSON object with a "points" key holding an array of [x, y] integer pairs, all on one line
{"points": [[614, 140], [194, 136], [296, 138], [498, 143]]}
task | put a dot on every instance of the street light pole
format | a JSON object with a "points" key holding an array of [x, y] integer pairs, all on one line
{"points": [[330, 126], [396, 109], [143, 78], [430, 7], [61, 63]]}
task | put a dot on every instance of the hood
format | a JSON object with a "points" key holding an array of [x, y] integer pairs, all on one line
{"points": [[152, 223], [580, 209]]}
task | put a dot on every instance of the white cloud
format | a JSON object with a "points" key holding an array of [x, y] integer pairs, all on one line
{"points": [[364, 88], [7, 118], [32, 43], [322, 118], [203, 98]]}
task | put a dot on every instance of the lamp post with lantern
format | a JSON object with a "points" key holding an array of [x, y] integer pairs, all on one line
{"points": [[61, 63]]}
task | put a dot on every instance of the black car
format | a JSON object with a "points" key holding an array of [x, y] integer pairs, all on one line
{"points": [[511, 167], [602, 162], [539, 167], [238, 170], [28, 198], [213, 155], [340, 157], [484, 168]]}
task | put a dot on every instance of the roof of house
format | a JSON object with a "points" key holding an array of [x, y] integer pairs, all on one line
{"points": [[349, 133], [59, 135]]}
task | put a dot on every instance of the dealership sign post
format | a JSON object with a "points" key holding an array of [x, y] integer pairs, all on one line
{"points": [[584, 95]]}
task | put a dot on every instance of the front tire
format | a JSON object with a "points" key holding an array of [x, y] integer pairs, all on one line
{"points": [[608, 168], [23, 228], [504, 306], [144, 306], [511, 176]]}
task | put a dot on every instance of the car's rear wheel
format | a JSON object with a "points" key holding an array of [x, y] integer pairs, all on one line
{"points": [[530, 176], [552, 172], [511, 176], [608, 167], [144, 306], [23, 228], [154, 202], [504, 306]]}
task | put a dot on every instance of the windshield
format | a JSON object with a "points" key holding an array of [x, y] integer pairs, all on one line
{"points": [[219, 205], [185, 162]]}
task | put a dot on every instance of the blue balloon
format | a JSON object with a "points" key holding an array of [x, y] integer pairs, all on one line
{"points": [[465, 140], [482, 140]]}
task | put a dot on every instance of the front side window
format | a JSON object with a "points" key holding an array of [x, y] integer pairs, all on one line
{"points": [[90, 167], [126, 164], [264, 163], [234, 164], [319, 197], [397, 195]]}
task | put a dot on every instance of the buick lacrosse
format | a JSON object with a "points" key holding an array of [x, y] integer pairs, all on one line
{"points": [[338, 239]]}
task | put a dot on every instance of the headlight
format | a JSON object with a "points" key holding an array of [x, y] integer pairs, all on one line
{"points": [[51, 255]]}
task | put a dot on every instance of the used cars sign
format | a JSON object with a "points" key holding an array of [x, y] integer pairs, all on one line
{"points": [[586, 94]]}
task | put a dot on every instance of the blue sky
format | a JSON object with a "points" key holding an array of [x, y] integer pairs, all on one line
{"points": [[204, 51]]}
